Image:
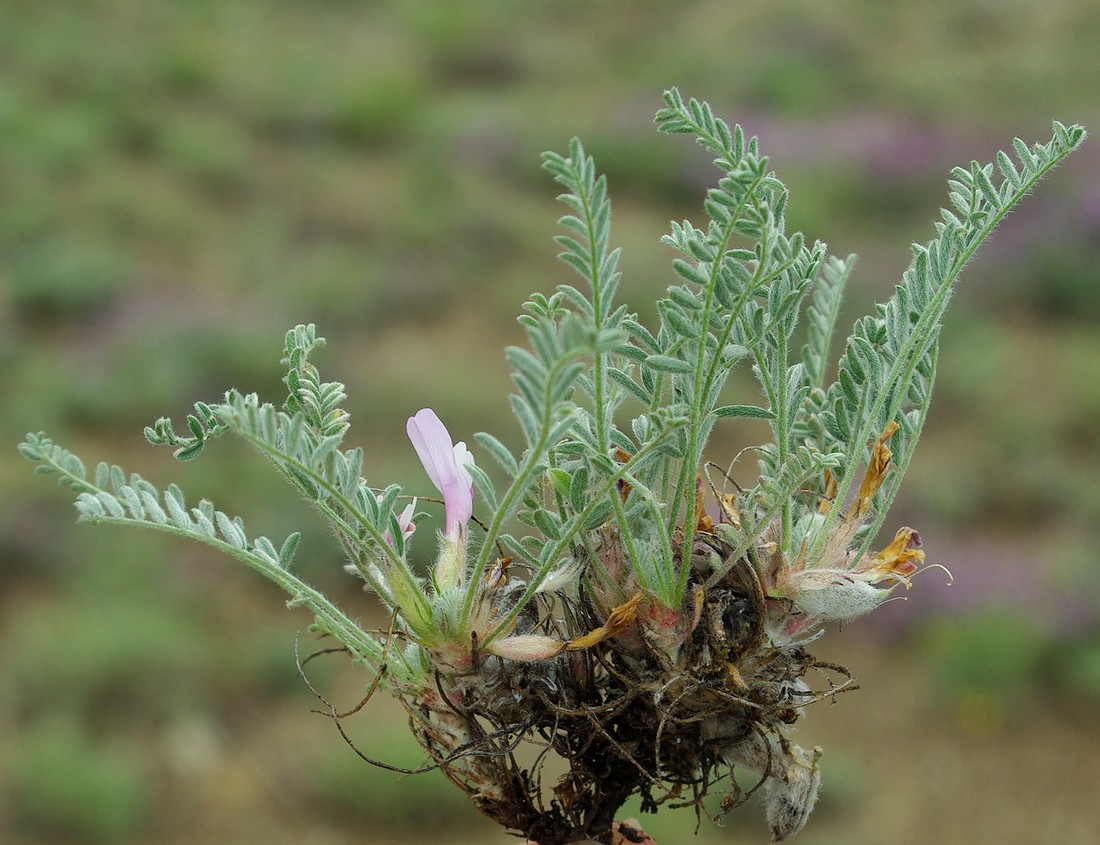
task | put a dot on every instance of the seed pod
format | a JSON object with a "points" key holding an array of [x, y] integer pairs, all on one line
{"points": [[791, 791], [792, 778]]}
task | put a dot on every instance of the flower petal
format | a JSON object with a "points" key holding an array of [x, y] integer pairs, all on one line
{"points": [[432, 443], [405, 520], [446, 466]]}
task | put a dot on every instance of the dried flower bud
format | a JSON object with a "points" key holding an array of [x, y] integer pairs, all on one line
{"points": [[834, 593], [618, 619], [845, 591]]}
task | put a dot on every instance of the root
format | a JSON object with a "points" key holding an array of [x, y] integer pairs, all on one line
{"points": [[626, 717]]}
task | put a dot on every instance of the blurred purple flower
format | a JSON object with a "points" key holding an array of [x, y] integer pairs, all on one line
{"points": [[446, 463]]}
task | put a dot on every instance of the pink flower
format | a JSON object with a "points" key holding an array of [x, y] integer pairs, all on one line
{"points": [[446, 464], [404, 522]]}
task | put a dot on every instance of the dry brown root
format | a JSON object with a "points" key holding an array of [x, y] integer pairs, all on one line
{"points": [[626, 832], [667, 708]]}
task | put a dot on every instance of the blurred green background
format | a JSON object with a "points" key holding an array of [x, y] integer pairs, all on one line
{"points": [[181, 182]]}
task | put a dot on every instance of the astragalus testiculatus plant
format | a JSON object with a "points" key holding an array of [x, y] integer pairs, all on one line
{"points": [[616, 600]]}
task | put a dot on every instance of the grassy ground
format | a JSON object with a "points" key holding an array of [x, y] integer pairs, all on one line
{"points": [[182, 182]]}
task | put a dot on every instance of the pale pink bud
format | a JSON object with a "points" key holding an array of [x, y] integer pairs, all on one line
{"points": [[404, 522], [526, 647]]}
